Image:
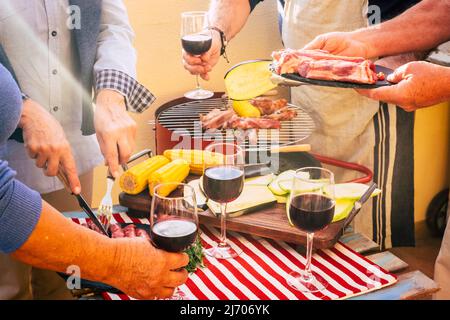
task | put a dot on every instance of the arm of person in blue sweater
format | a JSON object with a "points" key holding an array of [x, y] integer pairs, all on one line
{"points": [[37, 234]]}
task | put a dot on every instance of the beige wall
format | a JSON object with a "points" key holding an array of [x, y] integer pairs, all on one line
{"points": [[157, 26]]}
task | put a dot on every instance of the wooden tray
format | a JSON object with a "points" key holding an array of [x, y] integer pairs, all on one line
{"points": [[269, 223]]}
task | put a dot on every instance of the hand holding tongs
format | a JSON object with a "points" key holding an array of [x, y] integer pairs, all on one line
{"points": [[82, 202]]}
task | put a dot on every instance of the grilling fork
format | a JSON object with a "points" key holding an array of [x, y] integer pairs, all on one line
{"points": [[105, 209]]}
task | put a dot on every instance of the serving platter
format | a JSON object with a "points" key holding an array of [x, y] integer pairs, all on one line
{"points": [[340, 84]]}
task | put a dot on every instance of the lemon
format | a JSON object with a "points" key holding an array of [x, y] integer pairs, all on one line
{"points": [[352, 191], [249, 80], [246, 109], [275, 185]]}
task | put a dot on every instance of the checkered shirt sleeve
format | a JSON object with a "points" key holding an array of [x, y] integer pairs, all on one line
{"points": [[138, 98]]}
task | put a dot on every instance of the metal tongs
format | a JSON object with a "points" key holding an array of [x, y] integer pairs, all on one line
{"points": [[83, 204], [358, 204]]}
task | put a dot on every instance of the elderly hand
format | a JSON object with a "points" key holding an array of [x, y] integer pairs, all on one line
{"points": [[202, 65], [116, 130], [145, 272], [46, 142], [343, 44], [419, 84]]}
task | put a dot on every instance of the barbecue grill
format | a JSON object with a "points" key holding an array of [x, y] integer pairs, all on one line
{"points": [[179, 121], [177, 125]]}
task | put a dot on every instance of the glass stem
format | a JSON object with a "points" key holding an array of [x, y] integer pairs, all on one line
{"points": [[309, 248], [223, 225], [198, 82]]}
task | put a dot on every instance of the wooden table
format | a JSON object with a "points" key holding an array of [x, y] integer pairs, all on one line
{"points": [[412, 284]]}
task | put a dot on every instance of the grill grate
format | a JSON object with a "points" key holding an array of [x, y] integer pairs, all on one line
{"points": [[185, 121]]}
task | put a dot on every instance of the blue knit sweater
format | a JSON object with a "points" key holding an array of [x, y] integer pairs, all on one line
{"points": [[20, 207]]}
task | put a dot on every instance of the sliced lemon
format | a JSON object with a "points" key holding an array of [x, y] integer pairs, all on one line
{"points": [[342, 209], [246, 109], [281, 199], [249, 80], [275, 185], [352, 191]]}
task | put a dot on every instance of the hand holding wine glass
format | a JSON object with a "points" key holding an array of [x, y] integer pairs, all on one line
{"points": [[311, 209], [173, 219], [223, 183], [196, 39]]}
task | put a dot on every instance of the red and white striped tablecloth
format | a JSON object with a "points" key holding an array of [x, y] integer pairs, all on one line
{"points": [[260, 272]]}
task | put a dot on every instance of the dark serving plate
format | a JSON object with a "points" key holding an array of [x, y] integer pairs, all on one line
{"points": [[341, 84], [98, 286]]}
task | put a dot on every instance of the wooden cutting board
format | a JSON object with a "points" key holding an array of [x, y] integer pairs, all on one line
{"points": [[271, 223]]}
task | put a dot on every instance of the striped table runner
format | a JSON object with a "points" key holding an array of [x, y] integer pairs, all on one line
{"points": [[260, 272]]}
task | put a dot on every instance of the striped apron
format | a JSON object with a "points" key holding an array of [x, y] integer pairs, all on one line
{"points": [[355, 129]]}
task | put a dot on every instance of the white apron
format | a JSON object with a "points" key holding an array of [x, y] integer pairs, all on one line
{"points": [[344, 119]]}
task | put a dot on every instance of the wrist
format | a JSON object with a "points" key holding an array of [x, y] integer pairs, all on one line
{"points": [[27, 113], [115, 254], [367, 37], [107, 97]]}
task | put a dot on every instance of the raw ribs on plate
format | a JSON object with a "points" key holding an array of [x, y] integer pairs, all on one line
{"points": [[321, 65]]}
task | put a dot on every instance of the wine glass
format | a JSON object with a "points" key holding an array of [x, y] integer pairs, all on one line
{"points": [[173, 219], [223, 183], [311, 209], [196, 40]]}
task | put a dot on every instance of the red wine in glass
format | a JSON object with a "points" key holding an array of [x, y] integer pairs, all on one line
{"points": [[196, 44], [174, 235], [311, 212], [196, 39], [223, 184], [311, 209]]}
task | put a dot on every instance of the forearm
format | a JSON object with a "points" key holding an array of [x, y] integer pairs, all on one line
{"points": [[57, 243], [229, 15], [420, 28], [445, 85]]}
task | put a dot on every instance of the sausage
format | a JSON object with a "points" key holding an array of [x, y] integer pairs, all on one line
{"points": [[141, 233], [93, 227], [130, 231], [116, 231]]}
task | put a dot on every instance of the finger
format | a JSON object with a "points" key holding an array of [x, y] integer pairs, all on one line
{"points": [[195, 70], [206, 57], [317, 43], [205, 76], [191, 60], [111, 154], [387, 94], [177, 260], [52, 166], [398, 75], [125, 150], [176, 278], [165, 293], [70, 171], [32, 149], [41, 160]]}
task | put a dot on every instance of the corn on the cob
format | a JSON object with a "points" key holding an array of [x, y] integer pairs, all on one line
{"points": [[175, 171], [195, 158], [134, 180]]}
